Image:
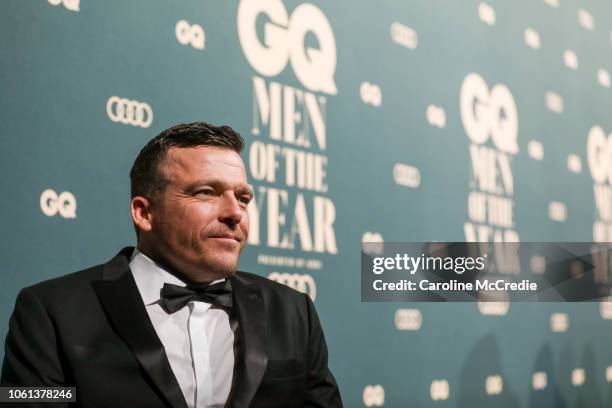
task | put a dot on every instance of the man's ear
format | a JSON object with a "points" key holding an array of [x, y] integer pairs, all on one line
{"points": [[140, 207]]}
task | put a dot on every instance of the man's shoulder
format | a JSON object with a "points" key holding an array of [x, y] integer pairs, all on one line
{"points": [[68, 284], [79, 282]]}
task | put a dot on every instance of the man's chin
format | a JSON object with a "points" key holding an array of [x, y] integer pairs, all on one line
{"points": [[220, 271], [225, 273]]}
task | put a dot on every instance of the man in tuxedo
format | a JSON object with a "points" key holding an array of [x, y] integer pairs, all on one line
{"points": [[171, 323]]}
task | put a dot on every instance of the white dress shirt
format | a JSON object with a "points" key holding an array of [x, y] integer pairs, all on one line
{"points": [[198, 339]]}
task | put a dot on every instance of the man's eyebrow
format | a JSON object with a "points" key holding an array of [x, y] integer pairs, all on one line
{"points": [[245, 190], [218, 183], [205, 182]]}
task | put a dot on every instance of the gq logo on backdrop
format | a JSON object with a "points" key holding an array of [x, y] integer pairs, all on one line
{"points": [[578, 376], [490, 120], [188, 34], [494, 384], [287, 159], [72, 5], [372, 243], [284, 41], [539, 380], [51, 203], [374, 395], [599, 156], [301, 282], [489, 113], [370, 94], [129, 112], [439, 390]]}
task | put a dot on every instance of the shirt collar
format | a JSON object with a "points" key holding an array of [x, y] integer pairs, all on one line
{"points": [[150, 277]]}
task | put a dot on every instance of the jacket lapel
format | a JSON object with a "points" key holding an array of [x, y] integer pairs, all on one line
{"points": [[123, 305], [250, 310]]}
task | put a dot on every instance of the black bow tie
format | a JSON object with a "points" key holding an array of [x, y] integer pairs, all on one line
{"points": [[174, 297]]}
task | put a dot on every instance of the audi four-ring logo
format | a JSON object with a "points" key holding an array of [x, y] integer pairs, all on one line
{"points": [[129, 112], [408, 319], [491, 308], [302, 283]]}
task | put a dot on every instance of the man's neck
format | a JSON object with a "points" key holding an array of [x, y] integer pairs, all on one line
{"points": [[184, 276]]}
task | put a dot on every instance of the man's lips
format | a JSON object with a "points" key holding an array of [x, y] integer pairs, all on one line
{"points": [[227, 236]]}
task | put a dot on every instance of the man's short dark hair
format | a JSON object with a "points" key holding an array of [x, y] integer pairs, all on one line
{"points": [[145, 177]]}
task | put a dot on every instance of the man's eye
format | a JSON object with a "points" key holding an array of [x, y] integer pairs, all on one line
{"points": [[245, 199], [206, 192]]}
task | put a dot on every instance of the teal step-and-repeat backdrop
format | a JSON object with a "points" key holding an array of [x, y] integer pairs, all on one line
{"points": [[391, 121]]}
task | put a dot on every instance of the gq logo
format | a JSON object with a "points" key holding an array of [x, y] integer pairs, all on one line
{"points": [[578, 376], [72, 5], [539, 380], [284, 41], [302, 283], [605, 309], [374, 395], [494, 385], [370, 94], [599, 155], [372, 243], [188, 34], [489, 113], [51, 203], [439, 390], [436, 116]]}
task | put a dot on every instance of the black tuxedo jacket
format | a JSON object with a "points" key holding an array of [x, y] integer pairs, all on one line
{"points": [[90, 329]]}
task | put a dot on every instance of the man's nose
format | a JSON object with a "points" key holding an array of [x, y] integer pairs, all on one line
{"points": [[230, 212]]}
